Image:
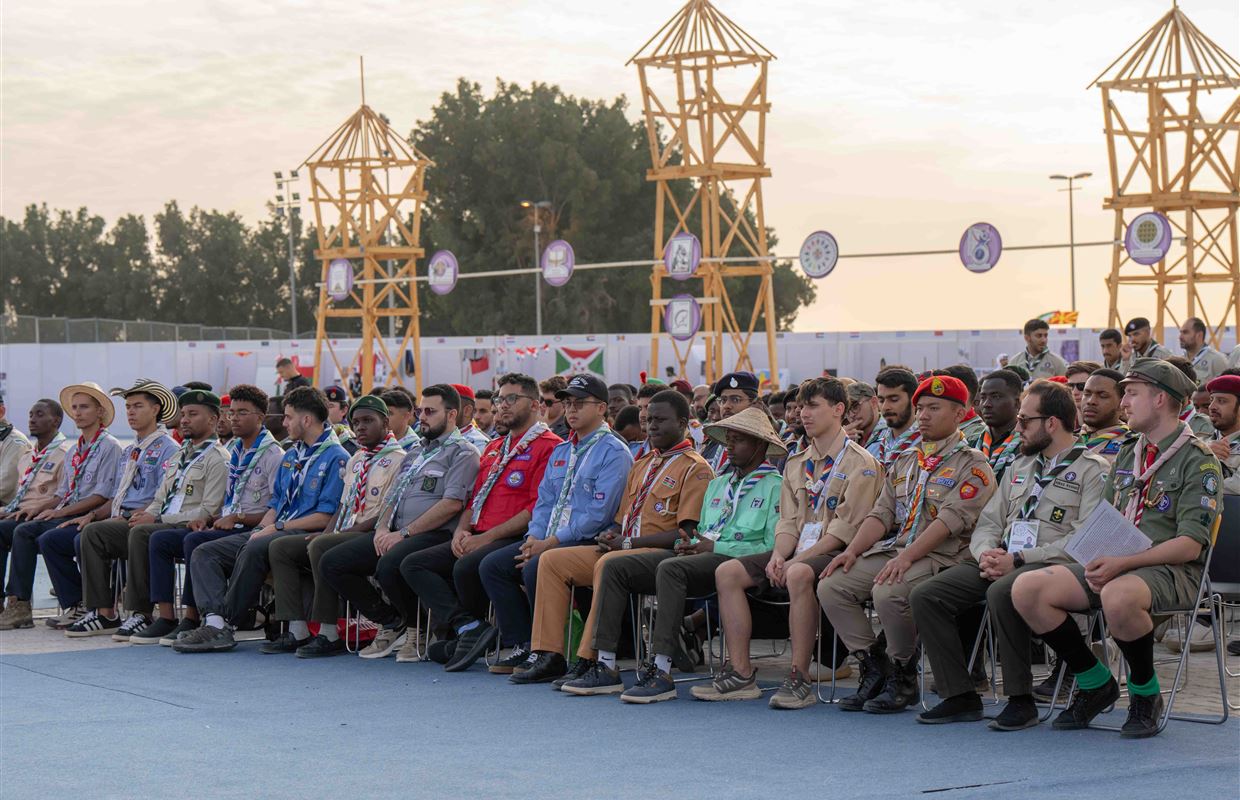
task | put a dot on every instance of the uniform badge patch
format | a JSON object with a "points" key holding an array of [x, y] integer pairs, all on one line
{"points": [[515, 478], [713, 503], [374, 491], [385, 462], [1058, 514], [832, 502], [429, 483], [947, 472], [868, 473], [660, 507], [1209, 502], [600, 495], [1207, 519], [523, 457], [559, 462], [1017, 480], [980, 474], [1210, 484], [948, 482], [968, 491], [1164, 503], [669, 481], [757, 502], [189, 491]]}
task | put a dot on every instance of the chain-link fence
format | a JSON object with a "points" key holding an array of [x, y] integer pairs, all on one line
{"points": [[22, 329]]}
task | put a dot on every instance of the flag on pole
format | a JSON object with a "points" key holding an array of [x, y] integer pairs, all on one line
{"points": [[571, 361]]}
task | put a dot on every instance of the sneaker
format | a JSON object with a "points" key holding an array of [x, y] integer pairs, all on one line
{"points": [[1144, 715], [1086, 704], [134, 624], [320, 646], [1232, 647], [470, 647], [16, 614], [286, 642], [385, 641], [599, 679], [794, 692], [1019, 713], [1200, 638], [183, 628], [653, 686], [520, 657], [440, 651], [205, 639], [729, 685], [153, 632], [70, 616], [410, 651], [545, 668], [580, 667], [961, 708], [92, 624]]}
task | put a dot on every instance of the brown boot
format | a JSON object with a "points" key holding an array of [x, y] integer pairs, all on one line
{"points": [[16, 615]]}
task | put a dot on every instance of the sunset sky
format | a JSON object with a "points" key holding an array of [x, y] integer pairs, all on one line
{"points": [[894, 124]]}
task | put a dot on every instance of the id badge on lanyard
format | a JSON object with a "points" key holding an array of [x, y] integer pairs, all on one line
{"points": [[811, 532], [1023, 536]]}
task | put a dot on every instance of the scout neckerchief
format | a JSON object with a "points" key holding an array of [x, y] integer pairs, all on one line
{"points": [[303, 457], [1033, 362], [642, 450], [1001, 454], [1201, 354], [1092, 439], [409, 470], [241, 465], [27, 479], [926, 467], [343, 432], [1041, 481], [1144, 457], [738, 486], [81, 454], [188, 457], [818, 476], [410, 438], [795, 445], [137, 451], [631, 525], [576, 454], [355, 501], [719, 458], [507, 451], [890, 445]]}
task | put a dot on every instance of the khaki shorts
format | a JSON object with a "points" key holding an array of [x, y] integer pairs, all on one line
{"points": [[755, 568], [1172, 587]]}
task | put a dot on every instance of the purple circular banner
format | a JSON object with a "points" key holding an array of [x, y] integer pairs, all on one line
{"points": [[682, 317], [557, 262], [442, 272], [1148, 238], [980, 247], [819, 254], [681, 256], [339, 279]]}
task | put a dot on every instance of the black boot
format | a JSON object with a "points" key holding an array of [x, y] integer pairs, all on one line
{"points": [[874, 667], [900, 690]]}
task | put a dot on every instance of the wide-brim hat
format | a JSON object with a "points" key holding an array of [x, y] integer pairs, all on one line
{"points": [[168, 406], [753, 422], [91, 389]]}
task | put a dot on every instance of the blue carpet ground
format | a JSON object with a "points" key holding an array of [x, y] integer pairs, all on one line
{"points": [[147, 722]]}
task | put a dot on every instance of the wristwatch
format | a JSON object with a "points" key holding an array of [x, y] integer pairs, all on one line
{"points": [[1018, 559], [404, 533], [627, 544], [279, 524]]}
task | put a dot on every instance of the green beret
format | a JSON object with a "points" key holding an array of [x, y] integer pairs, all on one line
{"points": [[369, 402], [200, 397], [1161, 374]]}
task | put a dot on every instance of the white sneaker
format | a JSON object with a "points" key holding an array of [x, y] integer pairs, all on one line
{"points": [[1200, 638], [385, 641]]}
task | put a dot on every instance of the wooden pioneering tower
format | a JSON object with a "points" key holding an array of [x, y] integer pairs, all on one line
{"points": [[1172, 115], [703, 87], [366, 187]]}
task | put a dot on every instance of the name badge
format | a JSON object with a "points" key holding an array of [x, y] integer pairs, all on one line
{"points": [[811, 532], [1024, 536]]}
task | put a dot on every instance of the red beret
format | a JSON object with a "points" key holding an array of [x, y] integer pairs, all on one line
{"points": [[681, 385], [1225, 384], [463, 391], [1059, 379], [225, 401], [944, 386]]}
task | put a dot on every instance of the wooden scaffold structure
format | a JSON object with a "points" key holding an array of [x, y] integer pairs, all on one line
{"points": [[703, 86], [366, 185], [1172, 114]]}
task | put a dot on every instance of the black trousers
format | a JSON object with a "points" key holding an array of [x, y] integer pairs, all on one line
{"points": [[347, 568], [450, 587]]}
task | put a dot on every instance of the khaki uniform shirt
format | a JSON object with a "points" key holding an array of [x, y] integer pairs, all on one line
{"points": [[1208, 364], [1106, 442], [852, 486], [1202, 427], [1044, 365], [675, 496], [13, 450], [1231, 464], [1152, 350], [1064, 504], [955, 494], [1233, 358], [202, 488], [44, 481], [379, 478]]}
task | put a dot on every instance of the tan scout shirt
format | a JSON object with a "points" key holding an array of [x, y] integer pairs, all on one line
{"points": [[200, 484], [956, 491], [13, 450], [1231, 464], [1064, 504], [379, 478], [849, 493], [675, 495], [1044, 365], [45, 479]]}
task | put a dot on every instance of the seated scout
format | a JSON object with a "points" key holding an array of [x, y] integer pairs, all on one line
{"points": [[1101, 428], [1041, 501], [828, 489], [1168, 484], [931, 498]]}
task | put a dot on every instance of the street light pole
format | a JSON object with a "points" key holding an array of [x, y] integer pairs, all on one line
{"points": [[288, 204], [1071, 225], [537, 257]]}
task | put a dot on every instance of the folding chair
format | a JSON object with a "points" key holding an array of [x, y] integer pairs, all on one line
{"points": [[1224, 571], [985, 633], [649, 603], [757, 598]]}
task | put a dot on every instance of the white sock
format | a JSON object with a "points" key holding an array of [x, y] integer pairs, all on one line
{"points": [[328, 631], [299, 630], [607, 658], [215, 621], [663, 663]]}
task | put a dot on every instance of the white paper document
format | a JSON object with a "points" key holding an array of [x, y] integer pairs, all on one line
{"points": [[1106, 532]]}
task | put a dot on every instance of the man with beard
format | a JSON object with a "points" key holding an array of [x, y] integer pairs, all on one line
{"points": [[484, 412], [1207, 362], [1102, 431], [895, 387], [1141, 343], [1037, 357], [862, 418], [1049, 491], [999, 401]]}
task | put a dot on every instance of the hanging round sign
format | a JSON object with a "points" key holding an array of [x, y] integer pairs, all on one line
{"points": [[442, 272], [339, 279], [1148, 238], [980, 247], [681, 255], [557, 263], [819, 253], [682, 317]]}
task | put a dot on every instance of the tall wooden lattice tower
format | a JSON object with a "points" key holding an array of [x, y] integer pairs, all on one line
{"points": [[366, 187], [1172, 115], [703, 87]]}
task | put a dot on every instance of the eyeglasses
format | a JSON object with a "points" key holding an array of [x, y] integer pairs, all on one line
{"points": [[579, 403], [549, 401], [511, 399], [1077, 387], [1022, 421], [241, 413], [733, 400]]}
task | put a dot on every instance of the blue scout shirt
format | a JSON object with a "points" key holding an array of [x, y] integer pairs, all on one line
{"points": [[152, 462], [317, 486], [598, 487]]}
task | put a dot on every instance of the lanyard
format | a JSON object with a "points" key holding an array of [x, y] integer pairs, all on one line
{"points": [[576, 454], [1040, 481], [926, 466], [190, 456], [240, 468], [355, 502], [410, 470], [632, 523], [506, 453], [27, 479], [737, 488]]}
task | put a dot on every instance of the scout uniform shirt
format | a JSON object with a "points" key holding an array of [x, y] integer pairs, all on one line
{"points": [[1106, 442], [14, 447], [1181, 499], [140, 471], [442, 469], [1152, 350], [512, 469], [474, 435], [1208, 364], [1044, 365], [581, 505], [1231, 464], [947, 481], [740, 512], [39, 472], [90, 469], [1039, 504], [998, 454], [194, 484], [251, 474], [973, 427], [1202, 427], [368, 475], [664, 490], [886, 446], [828, 494], [310, 479]]}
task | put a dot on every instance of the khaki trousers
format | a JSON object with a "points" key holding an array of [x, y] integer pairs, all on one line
{"points": [[843, 595], [560, 569]]}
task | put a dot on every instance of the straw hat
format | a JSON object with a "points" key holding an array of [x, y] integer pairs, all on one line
{"points": [[168, 407], [755, 423], [90, 389]]}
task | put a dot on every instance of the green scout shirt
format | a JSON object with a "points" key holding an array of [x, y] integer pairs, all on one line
{"points": [[1185, 495], [752, 527]]}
